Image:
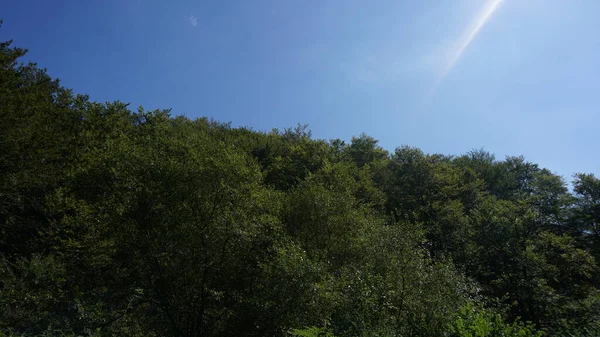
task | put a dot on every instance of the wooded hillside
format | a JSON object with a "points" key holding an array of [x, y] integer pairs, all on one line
{"points": [[120, 222]]}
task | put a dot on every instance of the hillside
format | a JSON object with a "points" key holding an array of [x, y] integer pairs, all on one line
{"points": [[121, 222]]}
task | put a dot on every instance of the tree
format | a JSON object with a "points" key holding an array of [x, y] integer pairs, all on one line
{"points": [[364, 150], [116, 222], [586, 219]]}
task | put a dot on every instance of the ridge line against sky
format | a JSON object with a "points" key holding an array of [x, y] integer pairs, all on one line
{"points": [[514, 77]]}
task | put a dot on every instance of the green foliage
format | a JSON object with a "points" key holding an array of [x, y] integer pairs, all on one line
{"points": [[116, 222], [364, 150], [586, 219], [475, 321], [311, 332]]}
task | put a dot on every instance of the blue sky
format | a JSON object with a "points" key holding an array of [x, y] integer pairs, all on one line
{"points": [[527, 83]]}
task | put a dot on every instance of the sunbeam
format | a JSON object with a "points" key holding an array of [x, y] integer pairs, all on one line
{"points": [[468, 37]]}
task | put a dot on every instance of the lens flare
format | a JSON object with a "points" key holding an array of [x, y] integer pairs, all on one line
{"points": [[490, 7]]}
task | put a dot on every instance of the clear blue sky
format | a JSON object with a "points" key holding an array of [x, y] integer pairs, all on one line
{"points": [[527, 83]]}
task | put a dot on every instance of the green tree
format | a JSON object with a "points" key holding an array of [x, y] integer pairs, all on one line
{"points": [[586, 217], [364, 150]]}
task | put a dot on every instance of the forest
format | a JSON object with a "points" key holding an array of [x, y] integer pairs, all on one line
{"points": [[130, 222]]}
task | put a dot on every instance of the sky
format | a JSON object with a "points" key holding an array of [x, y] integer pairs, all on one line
{"points": [[515, 77]]}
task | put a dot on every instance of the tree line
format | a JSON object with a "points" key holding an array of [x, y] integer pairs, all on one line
{"points": [[121, 222]]}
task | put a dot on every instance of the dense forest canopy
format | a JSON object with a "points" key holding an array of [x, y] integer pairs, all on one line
{"points": [[120, 222]]}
